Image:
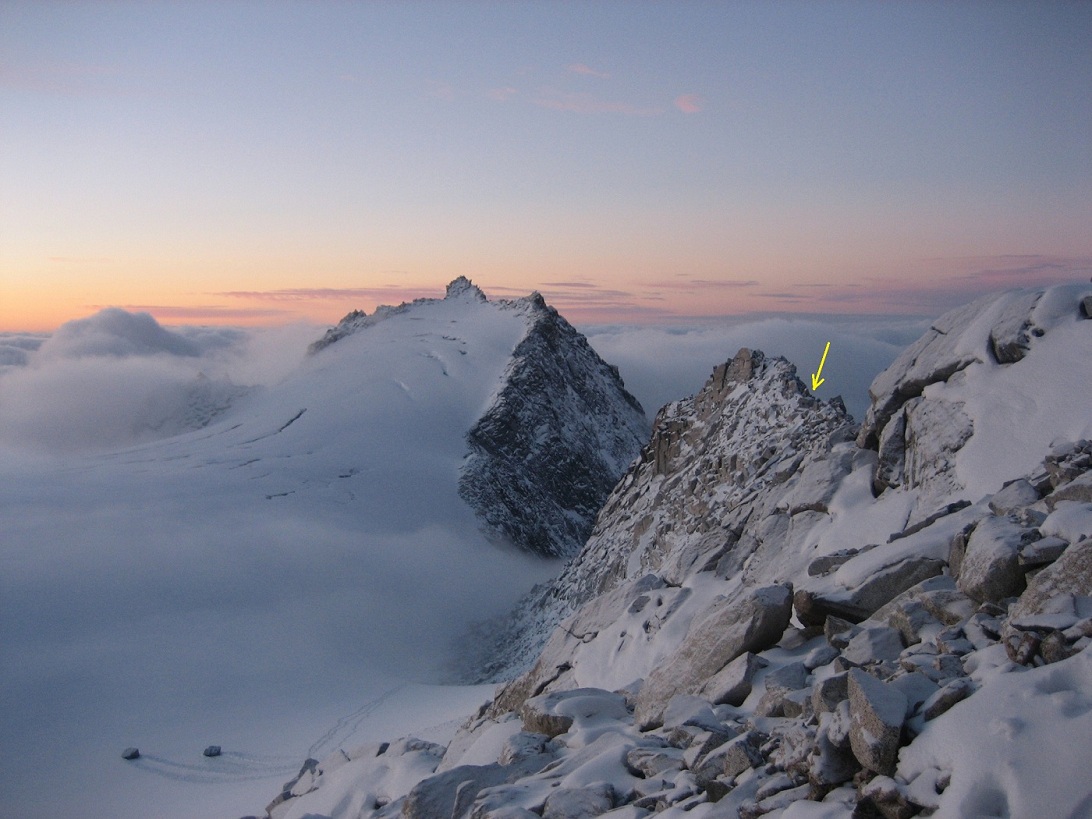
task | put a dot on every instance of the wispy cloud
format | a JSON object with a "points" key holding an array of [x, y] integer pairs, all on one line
{"points": [[584, 103], [216, 313], [502, 94], [685, 283], [587, 71], [392, 292], [689, 103]]}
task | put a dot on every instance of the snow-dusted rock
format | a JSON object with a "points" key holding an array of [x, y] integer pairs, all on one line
{"points": [[991, 569], [732, 684], [555, 713], [1070, 574], [877, 711], [737, 755], [873, 644], [579, 803], [1013, 496], [778, 685], [730, 627], [452, 792], [944, 698], [1042, 552]]}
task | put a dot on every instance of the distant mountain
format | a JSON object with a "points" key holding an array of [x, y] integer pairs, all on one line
{"points": [[556, 432], [776, 607]]}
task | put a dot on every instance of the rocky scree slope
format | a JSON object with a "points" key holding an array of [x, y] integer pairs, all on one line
{"points": [[809, 641], [556, 435]]}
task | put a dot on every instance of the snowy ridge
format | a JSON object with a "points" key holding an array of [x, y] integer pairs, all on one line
{"points": [[771, 619]]}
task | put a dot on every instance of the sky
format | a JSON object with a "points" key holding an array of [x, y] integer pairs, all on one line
{"points": [[247, 163]]}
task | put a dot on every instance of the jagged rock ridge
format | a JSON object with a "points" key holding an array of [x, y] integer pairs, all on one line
{"points": [[684, 502]]}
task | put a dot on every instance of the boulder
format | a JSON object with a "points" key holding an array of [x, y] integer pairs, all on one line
{"points": [[877, 711], [650, 763], [130, 753], [813, 608], [828, 692], [686, 709], [1012, 331], [522, 745], [779, 683], [873, 644], [991, 568], [212, 750], [737, 755], [1042, 552], [1013, 495], [452, 792], [732, 684], [828, 764], [955, 691], [1079, 490], [820, 656], [727, 629], [893, 580], [1070, 574], [553, 714], [1086, 307], [579, 803]]}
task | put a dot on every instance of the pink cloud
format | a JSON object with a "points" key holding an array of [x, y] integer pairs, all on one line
{"points": [[590, 104], [689, 103], [502, 94], [392, 292], [587, 71]]}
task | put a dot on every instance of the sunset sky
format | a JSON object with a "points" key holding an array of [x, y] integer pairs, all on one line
{"points": [[265, 162]]}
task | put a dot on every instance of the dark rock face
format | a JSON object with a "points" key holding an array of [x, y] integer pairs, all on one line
{"points": [[545, 456]]}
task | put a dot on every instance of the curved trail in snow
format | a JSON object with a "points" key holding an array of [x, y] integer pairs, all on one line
{"points": [[242, 766]]}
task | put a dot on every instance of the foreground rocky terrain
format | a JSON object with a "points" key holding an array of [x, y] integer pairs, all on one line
{"points": [[780, 613]]}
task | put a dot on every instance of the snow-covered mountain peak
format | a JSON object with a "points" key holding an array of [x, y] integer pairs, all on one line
{"points": [[552, 434], [462, 287]]}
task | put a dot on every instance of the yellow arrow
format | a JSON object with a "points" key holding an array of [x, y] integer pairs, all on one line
{"points": [[815, 379]]}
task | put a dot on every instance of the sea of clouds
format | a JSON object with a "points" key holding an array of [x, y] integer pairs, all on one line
{"points": [[118, 378]]}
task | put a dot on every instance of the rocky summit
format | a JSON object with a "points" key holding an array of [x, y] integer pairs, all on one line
{"points": [[781, 613]]}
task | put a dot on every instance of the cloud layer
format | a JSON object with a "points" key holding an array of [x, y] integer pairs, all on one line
{"points": [[118, 378]]}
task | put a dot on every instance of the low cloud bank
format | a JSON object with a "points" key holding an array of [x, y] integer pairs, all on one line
{"points": [[118, 378]]}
